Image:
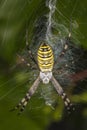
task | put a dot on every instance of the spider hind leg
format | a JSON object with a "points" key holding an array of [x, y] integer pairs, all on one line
{"points": [[22, 104], [67, 102], [63, 95]]}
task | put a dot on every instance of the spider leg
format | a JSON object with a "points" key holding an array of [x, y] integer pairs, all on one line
{"points": [[60, 91], [64, 48], [22, 104], [22, 60], [28, 49], [63, 52]]}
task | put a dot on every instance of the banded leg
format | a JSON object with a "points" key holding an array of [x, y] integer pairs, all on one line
{"points": [[21, 60], [63, 95], [64, 50], [29, 51], [22, 104]]}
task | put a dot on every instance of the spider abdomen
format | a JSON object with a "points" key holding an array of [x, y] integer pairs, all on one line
{"points": [[45, 58]]}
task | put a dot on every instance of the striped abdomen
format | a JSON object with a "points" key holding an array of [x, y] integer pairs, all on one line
{"points": [[45, 58]]}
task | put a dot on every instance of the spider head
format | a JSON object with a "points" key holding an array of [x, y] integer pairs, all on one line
{"points": [[45, 77]]}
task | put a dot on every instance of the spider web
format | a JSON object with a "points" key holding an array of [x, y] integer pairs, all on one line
{"points": [[74, 61], [60, 31]]}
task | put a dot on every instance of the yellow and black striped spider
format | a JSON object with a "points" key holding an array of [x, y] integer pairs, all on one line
{"points": [[45, 62]]}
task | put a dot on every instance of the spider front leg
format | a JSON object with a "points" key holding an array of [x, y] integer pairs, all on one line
{"points": [[22, 104], [63, 95], [28, 49], [22, 60], [65, 47]]}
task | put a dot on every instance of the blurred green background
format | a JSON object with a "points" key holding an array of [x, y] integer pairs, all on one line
{"points": [[15, 17]]}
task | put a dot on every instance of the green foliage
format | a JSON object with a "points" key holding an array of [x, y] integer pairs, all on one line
{"points": [[15, 17]]}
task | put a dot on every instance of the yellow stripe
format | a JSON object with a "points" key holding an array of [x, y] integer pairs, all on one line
{"points": [[45, 47], [44, 62], [47, 68], [43, 65], [48, 55], [44, 52], [45, 59]]}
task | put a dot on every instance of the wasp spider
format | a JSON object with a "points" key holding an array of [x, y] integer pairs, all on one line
{"points": [[45, 61]]}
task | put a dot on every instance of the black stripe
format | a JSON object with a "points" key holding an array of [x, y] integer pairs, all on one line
{"points": [[45, 56]]}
